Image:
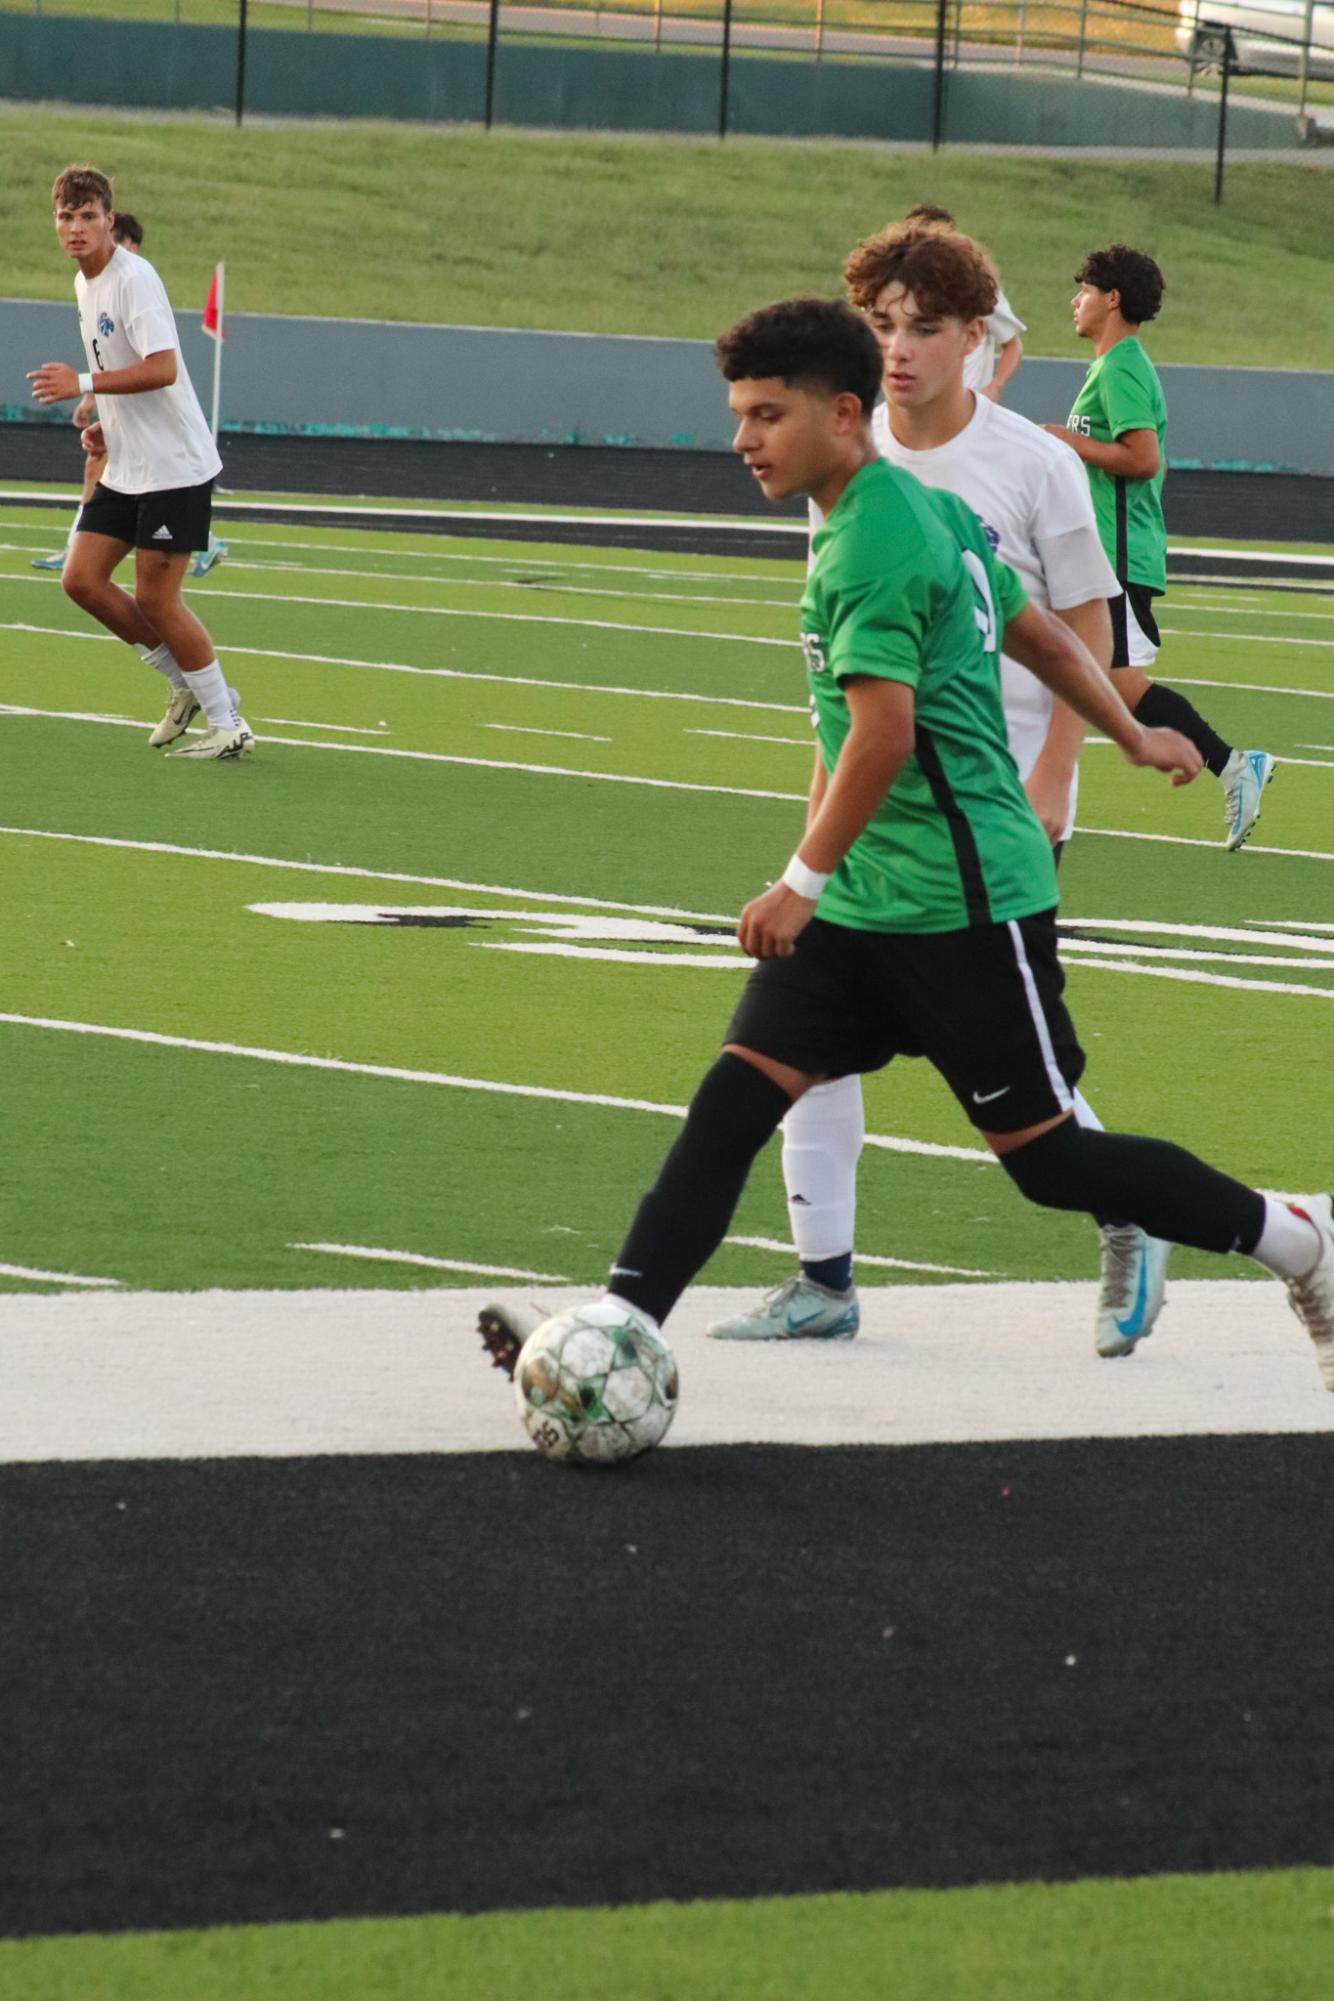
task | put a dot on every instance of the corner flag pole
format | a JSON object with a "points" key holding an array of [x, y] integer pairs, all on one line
{"points": [[213, 327]]}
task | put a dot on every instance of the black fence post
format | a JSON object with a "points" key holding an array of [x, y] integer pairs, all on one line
{"points": [[492, 38], [938, 95], [1229, 57], [242, 24], [725, 74]]}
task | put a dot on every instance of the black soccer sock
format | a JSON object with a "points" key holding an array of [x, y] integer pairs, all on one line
{"points": [[684, 1217], [1167, 1191], [1163, 708]]}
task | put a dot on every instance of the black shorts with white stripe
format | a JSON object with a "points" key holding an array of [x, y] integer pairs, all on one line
{"points": [[984, 1005], [176, 520]]}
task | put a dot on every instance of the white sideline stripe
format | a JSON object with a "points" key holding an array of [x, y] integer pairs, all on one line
{"points": [[1194, 841], [1240, 608], [749, 736], [430, 757], [865, 1258], [454, 673], [1247, 638], [432, 1264], [1249, 687], [1070, 953], [368, 874], [344, 729], [526, 729], [450, 611], [142, 1375], [393, 1074], [40, 1277]]}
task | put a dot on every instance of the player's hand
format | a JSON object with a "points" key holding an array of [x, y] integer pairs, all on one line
{"points": [[93, 442], [770, 925], [1049, 796], [53, 382], [83, 410], [1168, 750]]}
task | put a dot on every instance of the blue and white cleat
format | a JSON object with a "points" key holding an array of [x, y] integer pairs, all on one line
{"points": [[50, 562], [1134, 1272], [203, 559], [1244, 777], [797, 1310]]}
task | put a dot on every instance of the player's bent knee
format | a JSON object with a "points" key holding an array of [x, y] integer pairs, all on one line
{"points": [[1050, 1170]]}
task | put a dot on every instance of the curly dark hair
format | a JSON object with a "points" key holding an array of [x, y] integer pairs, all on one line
{"points": [[807, 343], [946, 273], [931, 213], [1132, 273], [77, 185]]}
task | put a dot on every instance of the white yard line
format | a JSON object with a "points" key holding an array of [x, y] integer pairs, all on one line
{"points": [[338, 571], [37, 1276], [380, 1256], [393, 1073], [201, 1375], [865, 1258], [748, 736], [526, 729], [1248, 638], [344, 729]]}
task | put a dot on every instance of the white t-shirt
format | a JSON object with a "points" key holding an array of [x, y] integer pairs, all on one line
{"points": [[159, 439], [1002, 325]]}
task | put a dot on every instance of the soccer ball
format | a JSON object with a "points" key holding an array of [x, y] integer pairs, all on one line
{"points": [[595, 1385]]}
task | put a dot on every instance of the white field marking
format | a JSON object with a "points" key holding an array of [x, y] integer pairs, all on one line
{"points": [[121, 1375], [39, 1277], [432, 757], [526, 729], [432, 1264], [1088, 949], [1310, 763], [367, 874], [1247, 638], [1250, 687], [504, 617], [723, 603], [1194, 841], [748, 736], [344, 729], [393, 1074], [1071, 954], [865, 1258], [1256, 935], [714, 961], [1239, 608], [553, 563], [549, 923], [460, 673]]}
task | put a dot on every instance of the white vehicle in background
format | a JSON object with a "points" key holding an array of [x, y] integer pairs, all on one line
{"points": [[1267, 34]]}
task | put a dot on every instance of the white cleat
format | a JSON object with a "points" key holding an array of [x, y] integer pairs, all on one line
{"points": [[1312, 1298], [1134, 1272], [797, 1310], [1243, 778], [235, 741], [182, 708]]}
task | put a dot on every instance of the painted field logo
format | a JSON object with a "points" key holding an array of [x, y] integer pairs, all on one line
{"points": [[564, 934]]}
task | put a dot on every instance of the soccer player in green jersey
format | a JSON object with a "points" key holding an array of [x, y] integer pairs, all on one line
{"points": [[1118, 426], [917, 915]]}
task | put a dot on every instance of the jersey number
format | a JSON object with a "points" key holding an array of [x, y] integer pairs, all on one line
{"points": [[97, 356], [984, 611]]}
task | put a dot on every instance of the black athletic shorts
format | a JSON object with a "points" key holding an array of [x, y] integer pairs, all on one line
{"points": [[176, 520], [1139, 598], [983, 1005]]}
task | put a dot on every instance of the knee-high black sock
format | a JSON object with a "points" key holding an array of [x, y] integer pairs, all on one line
{"points": [[1163, 708], [1167, 1191], [684, 1217]]}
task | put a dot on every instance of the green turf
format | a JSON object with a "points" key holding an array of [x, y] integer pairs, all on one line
{"points": [[551, 231], [1262, 1937]]}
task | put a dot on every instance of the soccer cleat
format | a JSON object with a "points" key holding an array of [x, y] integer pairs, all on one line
{"points": [[235, 741], [182, 708], [504, 1329], [203, 559], [1134, 1270], [797, 1310], [1312, 1298], [49, 562], [1243, 778]]}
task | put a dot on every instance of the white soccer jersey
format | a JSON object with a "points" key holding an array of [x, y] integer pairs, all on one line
{"points": [[159, 439], [980, 366]]}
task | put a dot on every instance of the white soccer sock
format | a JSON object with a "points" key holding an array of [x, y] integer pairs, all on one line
{"points": [[1289, 1243], [164, 660], [215, 697], [1086, 1116], [822, 1143]]}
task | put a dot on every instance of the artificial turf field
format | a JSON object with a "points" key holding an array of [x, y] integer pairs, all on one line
{"points": [[368, 1687]]}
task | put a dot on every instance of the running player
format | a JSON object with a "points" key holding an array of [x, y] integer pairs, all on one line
{"points": [[156, 496], [925, 294], [990, 365], [917, 915], [1118, 426], [127, 231]]}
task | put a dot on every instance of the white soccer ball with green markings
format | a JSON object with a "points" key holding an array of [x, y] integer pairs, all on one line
{"points": [[596, 1385]]}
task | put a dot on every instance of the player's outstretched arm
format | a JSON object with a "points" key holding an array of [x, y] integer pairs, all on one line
{"points": [[1064, 664], [56, 382]]}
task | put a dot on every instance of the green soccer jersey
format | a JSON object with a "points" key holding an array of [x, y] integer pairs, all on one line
{"points": [[903, 586], [1122, 393]]}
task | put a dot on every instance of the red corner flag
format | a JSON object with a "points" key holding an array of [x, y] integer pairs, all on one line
{"points": [[213, 306]]}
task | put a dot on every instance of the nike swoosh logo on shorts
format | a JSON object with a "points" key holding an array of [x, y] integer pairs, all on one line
{"points": [[985, 1097]]}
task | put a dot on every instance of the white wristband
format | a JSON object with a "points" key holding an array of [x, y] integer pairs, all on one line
{"points": [[86, 382], [807, 882]]}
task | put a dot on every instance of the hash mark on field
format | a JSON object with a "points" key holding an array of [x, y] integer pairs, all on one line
{"points": [[344, 729], [524, 729], [54, 1277], [747, 736], [866, 1258], [432, 1264]]}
